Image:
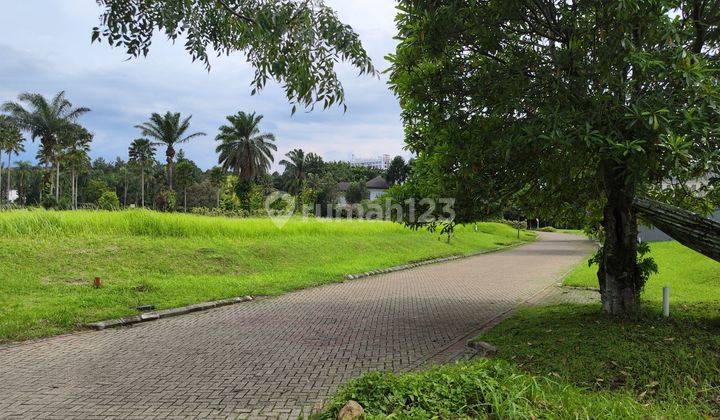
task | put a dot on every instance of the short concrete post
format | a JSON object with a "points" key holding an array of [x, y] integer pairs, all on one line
{"points": [[666, 302]]}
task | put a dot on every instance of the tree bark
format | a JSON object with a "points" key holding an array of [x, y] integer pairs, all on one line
{"points": [[619, 276]]}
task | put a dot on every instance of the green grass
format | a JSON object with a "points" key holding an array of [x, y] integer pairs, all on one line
{"points": [[573, 361], [691, 277], [488, 389], [658, 362], [169, 260]]}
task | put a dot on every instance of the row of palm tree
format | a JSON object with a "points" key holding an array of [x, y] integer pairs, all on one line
{"points": [[243, 149], [53, 122]]}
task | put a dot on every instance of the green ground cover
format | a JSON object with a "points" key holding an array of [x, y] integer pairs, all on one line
{"points": [[572, 361], [691, 277], [50, 258]]}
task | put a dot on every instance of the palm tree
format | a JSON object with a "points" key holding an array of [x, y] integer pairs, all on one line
{"points": [[12, 145], [11, 142], [295, 169], [45, 120], [75, 143], [168, 130], [142, 153], [243, 149]]}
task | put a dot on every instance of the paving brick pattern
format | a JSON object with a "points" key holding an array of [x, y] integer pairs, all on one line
{"points": [[278, 357]]}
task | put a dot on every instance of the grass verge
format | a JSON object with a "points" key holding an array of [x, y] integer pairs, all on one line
{"points": [[144, 258]]}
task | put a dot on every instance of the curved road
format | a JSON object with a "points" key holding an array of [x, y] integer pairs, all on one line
{"points": [[278, 357]]}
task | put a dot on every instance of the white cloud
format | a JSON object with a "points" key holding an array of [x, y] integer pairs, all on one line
{"points": [[54, 53]]}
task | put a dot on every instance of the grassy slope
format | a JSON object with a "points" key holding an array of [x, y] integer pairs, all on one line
{"points": [[49, 258], [571, 361]]}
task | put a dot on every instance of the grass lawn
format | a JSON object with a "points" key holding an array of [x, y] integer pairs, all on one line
{"points": [[691, 277], [572, 361], [50, 258]]}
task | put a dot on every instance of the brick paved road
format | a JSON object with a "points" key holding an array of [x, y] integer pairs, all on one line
{"points": [[275, 357]]}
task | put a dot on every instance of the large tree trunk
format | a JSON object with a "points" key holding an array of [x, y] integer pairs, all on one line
{"points": [[169, 155], [619, 275]]}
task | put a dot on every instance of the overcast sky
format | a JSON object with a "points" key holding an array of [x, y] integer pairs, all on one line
{"points": [[45, 47]]}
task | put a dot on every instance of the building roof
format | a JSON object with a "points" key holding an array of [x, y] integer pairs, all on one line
{"points": [[378, 183]]}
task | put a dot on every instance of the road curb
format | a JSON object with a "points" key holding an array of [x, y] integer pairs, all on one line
{"points": [[166, 313]]}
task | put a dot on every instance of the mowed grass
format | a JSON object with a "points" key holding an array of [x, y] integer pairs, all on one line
{"points": [[145, 258], [691, 276], [573, 361]]}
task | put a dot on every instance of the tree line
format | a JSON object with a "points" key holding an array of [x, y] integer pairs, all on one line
{"points": [[67, 178]]}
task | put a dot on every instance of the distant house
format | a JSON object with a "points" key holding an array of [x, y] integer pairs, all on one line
{"points": [[13, 196], [377, 187]]}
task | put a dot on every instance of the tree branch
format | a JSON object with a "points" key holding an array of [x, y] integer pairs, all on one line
{"points": [[236, 13]]}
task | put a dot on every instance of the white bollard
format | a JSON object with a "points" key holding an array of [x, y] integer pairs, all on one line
{"points": [[666, 302]]}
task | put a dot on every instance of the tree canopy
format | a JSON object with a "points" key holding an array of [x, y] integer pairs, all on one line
{"points": [[295, 42], [564, 107]]}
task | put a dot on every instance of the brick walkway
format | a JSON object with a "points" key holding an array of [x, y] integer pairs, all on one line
{"points": [[275, 357]]}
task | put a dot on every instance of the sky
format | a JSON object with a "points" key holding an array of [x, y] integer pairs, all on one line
{"points": [[45, 48]]}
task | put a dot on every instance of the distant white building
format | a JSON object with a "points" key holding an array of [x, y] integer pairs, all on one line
{"points": [[377, 187], [13, 196], [381, 162]]}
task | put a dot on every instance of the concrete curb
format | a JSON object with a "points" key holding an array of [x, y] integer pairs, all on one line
{"points": [[166, 313], [429, 262]]}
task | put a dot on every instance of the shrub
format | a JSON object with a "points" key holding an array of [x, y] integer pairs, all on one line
{"points": [[109, 201], [548, 229], [165, 200]]}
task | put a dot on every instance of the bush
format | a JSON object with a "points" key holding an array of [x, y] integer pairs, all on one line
{"points": [[109, 201], [165, 200], [548, 229]]}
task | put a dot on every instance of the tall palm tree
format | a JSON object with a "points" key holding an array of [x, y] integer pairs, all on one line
{"points": [[243, 148], [12, 145], [10, 141], [75, 146], [295, 170], [44, 119], [142, 153], [168, 130]]}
